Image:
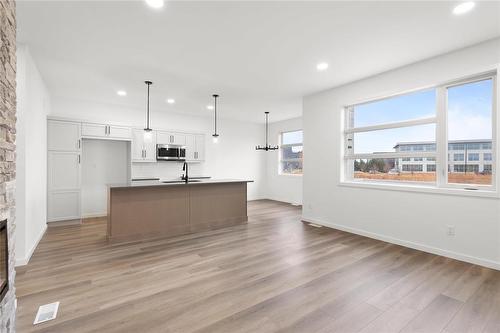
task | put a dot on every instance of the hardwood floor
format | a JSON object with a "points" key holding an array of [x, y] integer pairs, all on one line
{"points": [[275, 274]]}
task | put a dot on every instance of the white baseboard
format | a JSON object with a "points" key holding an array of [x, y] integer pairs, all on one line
{"points": [[88, 216], [25, 260], [417, 246]]}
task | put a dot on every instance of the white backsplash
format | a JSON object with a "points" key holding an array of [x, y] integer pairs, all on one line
{"points": [[165, 170]]}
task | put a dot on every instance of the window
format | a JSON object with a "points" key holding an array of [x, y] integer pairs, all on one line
{"points": [[470, 114], [393, 139], [291, 153], [473, 156]]}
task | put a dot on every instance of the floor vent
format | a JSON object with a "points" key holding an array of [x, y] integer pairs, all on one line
{"points": [[46, 312], [315, 225]]}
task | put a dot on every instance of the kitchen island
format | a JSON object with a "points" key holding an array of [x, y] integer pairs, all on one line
{"points": [[140, 210]]}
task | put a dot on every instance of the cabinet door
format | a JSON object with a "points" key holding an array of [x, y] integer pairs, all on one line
{"points": [[63, 171], [63, 205], [119, 132], [150, 149], [63, 135], [200, 147], [179, 139], [190, 147], [94, 130], [137, 145], [164, 138]]}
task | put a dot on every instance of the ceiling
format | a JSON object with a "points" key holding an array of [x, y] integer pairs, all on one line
{"points": [[259, 56]]}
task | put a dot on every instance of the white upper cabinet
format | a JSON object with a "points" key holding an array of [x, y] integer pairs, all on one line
{"points": [[200, 147], [143, 151], [195, 147], [92, 130], [166, 138], [63, 135]]}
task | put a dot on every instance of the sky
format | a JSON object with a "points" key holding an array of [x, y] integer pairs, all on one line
{"points": [[469, 117]]}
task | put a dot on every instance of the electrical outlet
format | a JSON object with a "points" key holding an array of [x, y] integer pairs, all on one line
{"points": [[450, 230]]}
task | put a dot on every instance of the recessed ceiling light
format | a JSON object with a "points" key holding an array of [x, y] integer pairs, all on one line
{"points": [[210, 107], [322, 66], [463, 8], [170, 101], [155, 3], [121, 93]]}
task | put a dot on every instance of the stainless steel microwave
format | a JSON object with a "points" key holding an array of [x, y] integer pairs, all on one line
{"points": [[170, 152]]}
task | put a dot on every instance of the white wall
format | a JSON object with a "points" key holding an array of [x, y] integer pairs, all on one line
{"points": [[234, 156], [286, 188], [33, 105], [414, 219], [103, 162]]}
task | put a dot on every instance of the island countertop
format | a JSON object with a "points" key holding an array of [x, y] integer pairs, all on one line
{"points": [[172, 182]]}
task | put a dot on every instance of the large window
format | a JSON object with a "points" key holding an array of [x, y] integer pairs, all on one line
{"points": [[291, 153], [434, 137]]}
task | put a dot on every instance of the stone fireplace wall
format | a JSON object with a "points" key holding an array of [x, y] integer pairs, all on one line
{"points": [[8, 149]]}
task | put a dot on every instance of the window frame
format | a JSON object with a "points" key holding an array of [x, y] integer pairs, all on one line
{"points": [[441, 137], [280, 154]]}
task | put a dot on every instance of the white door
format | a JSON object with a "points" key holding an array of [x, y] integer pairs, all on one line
{"points": [[164, 138], [63, 185], [94, 130], [63, 135], [64, 170], [150, 149], [190, 147], [200, 147], [119, 132], [63, 205], [179, 139], [137, 145]]}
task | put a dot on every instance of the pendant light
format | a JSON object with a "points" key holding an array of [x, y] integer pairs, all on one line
{"points": [[267, 147], [148, 132], [215, 136]]}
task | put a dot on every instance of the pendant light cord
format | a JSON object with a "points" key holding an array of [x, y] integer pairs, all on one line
{"points": [[215, 109], [148, 83]]}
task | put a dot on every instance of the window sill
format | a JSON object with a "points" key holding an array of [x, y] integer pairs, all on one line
{"points": [[290, 174], [421, 189]]}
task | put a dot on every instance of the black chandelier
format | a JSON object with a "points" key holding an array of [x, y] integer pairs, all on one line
{"points": [[215, 136], [267, 147]]}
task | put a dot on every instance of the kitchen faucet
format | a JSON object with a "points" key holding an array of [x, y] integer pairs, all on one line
{"points": [[185, 176]]}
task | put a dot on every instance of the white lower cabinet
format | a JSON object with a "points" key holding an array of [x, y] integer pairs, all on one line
{"points": [[63, 205], [143, 151]]}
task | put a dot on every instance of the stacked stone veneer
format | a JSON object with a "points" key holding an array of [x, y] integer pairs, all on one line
{"points": [[8, 149]]}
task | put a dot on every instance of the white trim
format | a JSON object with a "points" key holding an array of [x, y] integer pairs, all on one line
{"points": [[26, 259], [397, 124], [417, 246], [391, 155], [89, 216], [421, 187]]}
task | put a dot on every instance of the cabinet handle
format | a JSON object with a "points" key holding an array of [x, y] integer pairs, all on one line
{"points": [[196, 155], [78, 158], [79, 143], [145, 153]]}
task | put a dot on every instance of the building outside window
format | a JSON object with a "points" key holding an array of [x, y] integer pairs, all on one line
{"points": [[291, 153], [394, 139]]}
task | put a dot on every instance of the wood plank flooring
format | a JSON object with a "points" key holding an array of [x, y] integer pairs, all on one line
{"points": [[275, 274]]}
